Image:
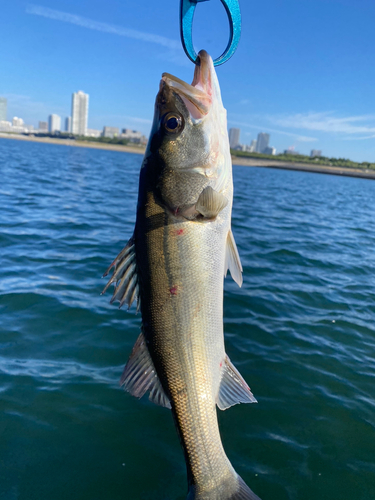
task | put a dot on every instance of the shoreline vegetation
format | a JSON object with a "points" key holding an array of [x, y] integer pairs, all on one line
{"points": [[323, 165]]}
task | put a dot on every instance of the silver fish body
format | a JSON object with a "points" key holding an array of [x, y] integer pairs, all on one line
{"points": [[174, 266]]}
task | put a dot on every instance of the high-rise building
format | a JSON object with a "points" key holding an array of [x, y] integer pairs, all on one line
{"points": [[92, 132], [253, 146], [68, 124], [54, 123], [262, 142], [3, 109], [110, 132], [315, 153], [291, 151], [5, 126], [269, 151], [80, 112], [17, 122], [132, 135], [43, 127], [234, 137]]}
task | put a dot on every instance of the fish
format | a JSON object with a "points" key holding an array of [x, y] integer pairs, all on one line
{"points": [[174, 266]]}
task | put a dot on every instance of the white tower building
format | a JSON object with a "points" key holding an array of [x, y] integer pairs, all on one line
{"points": [[80, 112], [262, 142], [234, 137], [54, 123], [68, 124], [3, 109]]}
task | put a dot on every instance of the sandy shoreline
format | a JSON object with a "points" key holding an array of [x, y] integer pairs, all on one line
{"points": [[140, 150], [246, 162]]}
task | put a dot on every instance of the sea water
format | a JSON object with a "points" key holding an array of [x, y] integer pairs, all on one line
{"points": [[301, 331]]}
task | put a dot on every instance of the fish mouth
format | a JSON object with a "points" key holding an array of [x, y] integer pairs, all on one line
{"points": [[198, 96]]}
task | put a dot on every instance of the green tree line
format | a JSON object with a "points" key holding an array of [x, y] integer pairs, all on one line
{"points": [[317, 160]]}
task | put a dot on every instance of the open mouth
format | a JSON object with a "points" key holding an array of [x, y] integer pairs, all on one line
{"points": [[197, 97]]}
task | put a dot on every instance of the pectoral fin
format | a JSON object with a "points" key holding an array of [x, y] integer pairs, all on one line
{"points": [[233, 388], [124, 277], [232, 260], [139, 375], [210, 203]]}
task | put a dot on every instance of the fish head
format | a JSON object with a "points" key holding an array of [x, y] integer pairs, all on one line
{"points": [[189, 138]]}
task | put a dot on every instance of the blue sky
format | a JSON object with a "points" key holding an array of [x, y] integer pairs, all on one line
{"points": [[304, 70]]}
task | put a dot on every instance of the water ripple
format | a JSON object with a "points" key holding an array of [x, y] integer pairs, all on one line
{"points": [[301, 332]]}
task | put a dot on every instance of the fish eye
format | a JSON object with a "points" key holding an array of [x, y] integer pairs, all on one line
{"points": [[173, 123]]}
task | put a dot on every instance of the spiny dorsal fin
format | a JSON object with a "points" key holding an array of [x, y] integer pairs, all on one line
{"points": [[233, 388], [210, 203], [232, 260], [124, 277], [139, 375]]}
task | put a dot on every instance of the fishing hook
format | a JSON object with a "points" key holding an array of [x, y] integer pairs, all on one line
{"points": [[187, 8]]}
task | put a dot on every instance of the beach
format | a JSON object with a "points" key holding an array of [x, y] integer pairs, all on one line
{"points": [[77, 144]]}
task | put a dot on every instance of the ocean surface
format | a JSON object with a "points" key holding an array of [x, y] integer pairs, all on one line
{"points": [[301, 331]]}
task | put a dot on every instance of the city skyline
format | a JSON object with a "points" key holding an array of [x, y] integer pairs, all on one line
{"points": [[79, 107], [54, 123], [94, 132], [79, 111]]}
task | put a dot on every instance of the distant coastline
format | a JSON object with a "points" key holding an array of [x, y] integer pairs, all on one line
{"points": [[303, 167], [237, 160], [77, 144]]}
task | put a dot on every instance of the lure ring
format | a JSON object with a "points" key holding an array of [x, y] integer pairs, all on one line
{"points": [[187, 9]]}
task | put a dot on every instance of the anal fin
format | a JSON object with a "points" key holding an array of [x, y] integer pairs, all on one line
{"points": [[139, 375], [237, 491], [210, 203], [233, 388], [244, 492]]}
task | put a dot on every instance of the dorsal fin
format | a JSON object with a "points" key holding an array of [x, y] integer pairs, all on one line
{"points": [[139, 375]]}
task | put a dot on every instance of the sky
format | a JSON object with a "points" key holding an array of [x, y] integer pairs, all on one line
{"points": [[304, 71]]}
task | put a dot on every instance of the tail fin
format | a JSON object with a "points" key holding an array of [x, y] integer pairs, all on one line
{"points": [[243, 492]]}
